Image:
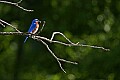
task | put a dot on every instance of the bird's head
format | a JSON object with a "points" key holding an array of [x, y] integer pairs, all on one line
{"points": [[35, 21]]}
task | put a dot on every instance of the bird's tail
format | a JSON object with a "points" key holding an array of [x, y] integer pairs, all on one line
{"points": [[25, 39]]}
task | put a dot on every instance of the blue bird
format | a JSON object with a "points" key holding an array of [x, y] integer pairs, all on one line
{"points": [[33, 28]]}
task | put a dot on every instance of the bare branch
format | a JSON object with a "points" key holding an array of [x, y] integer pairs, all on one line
{"points": [[70, 42], [40, 39], [16, 4], [53, 41], [53, 55], [9, 25], [58, 59]]}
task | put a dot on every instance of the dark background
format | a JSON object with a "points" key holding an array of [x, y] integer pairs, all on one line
{"points": [[93, 22]]}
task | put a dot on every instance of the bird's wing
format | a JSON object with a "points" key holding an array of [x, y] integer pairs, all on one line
{"points": [[32, 27]]}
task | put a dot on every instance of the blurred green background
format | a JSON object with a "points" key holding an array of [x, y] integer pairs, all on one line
{"points": [[93, 22]]}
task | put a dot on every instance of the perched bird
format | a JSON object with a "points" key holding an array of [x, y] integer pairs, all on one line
{"points": [[33, 28]]}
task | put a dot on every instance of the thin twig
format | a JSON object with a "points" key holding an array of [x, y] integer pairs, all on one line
{"points": [[41, 28], [2, 24], [9, 25], [19, 1], [14, 33], [16, 4]]}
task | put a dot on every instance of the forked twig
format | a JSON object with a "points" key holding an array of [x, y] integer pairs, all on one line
{"points": [[16, 4], [70, 42], [58, 59], [76, 44]]}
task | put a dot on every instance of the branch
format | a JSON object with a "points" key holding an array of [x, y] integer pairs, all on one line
{"points": [[58, 59], [14, 33], [2, 21], [16, 4], [40, 39], [70, 43], [51, 40]]}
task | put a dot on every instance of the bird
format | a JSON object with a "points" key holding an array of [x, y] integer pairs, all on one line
{"points": [[33, 28]]}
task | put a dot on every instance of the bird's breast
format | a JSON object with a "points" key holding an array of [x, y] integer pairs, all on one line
{"points": [[36, 28]]}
